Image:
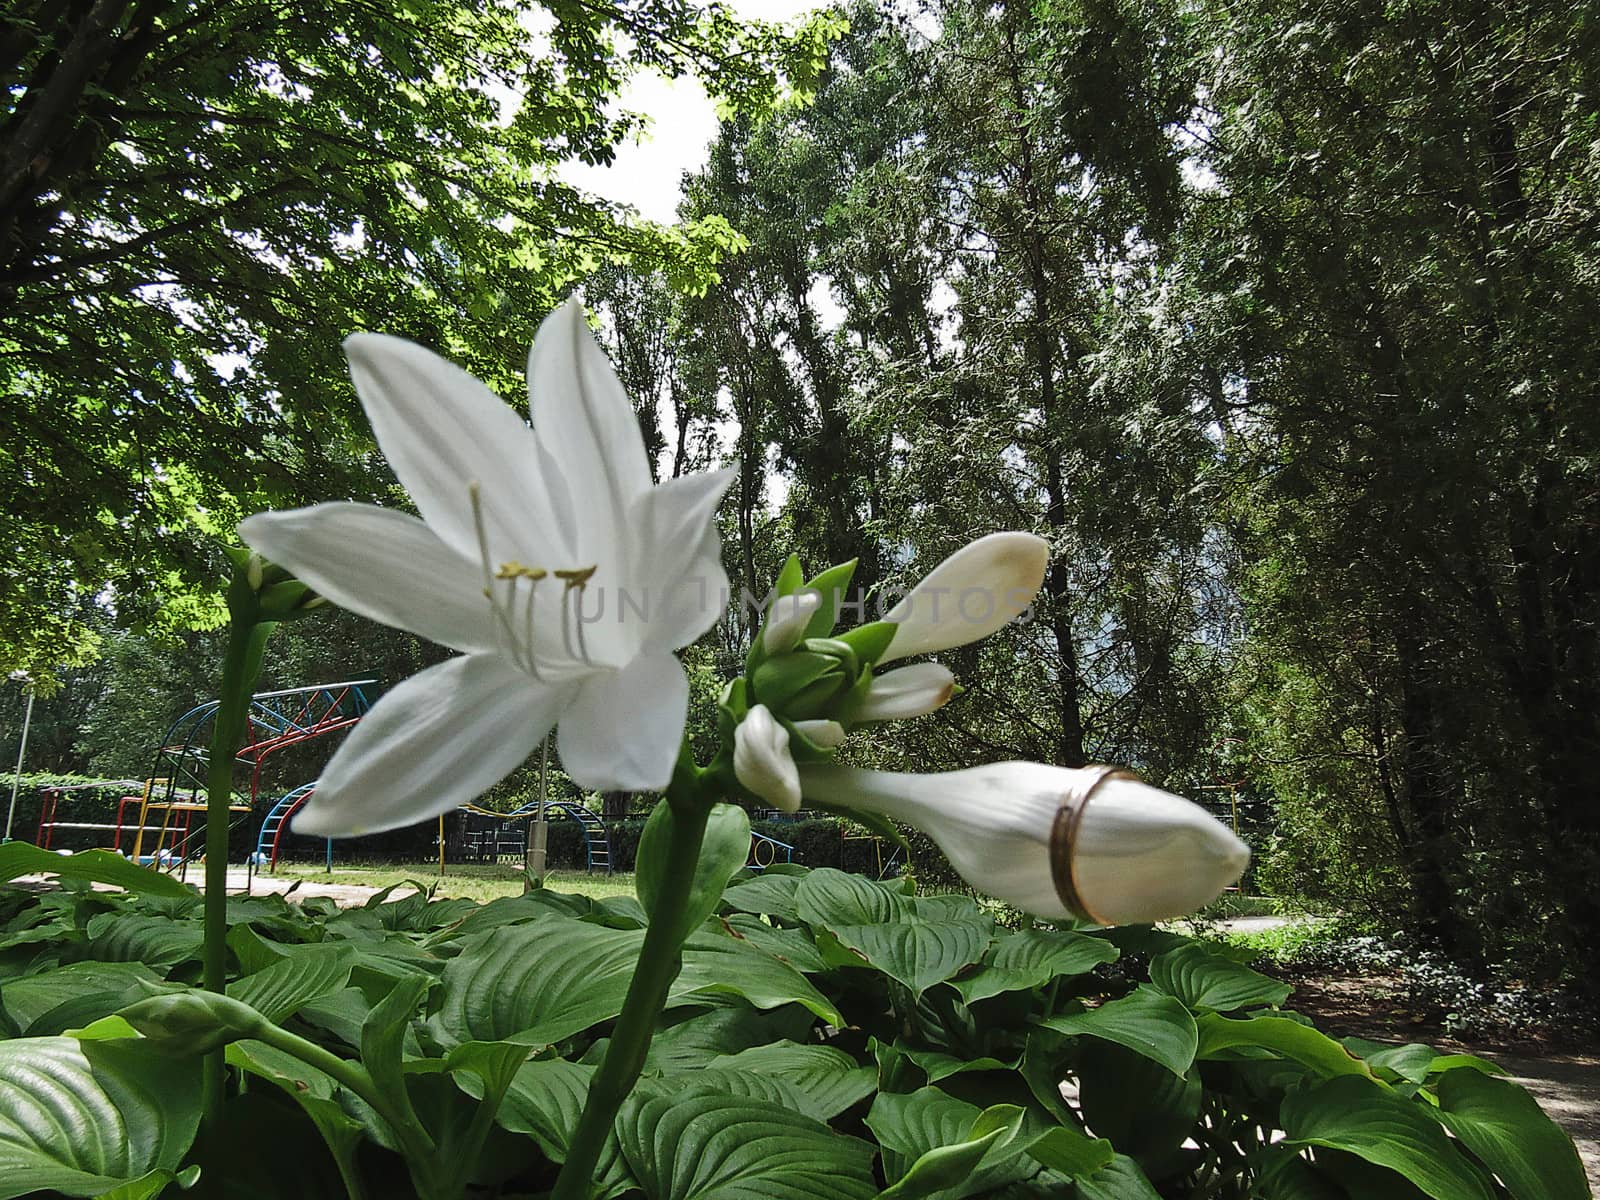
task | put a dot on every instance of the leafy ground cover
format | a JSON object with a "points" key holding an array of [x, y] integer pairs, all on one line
{"points": [[828, 1036]]}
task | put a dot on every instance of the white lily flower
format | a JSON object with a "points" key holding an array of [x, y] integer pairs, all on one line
{"points": [[1092, 842], [761, 759], [979, 589], [548, 559], [787, 621], [905, 692]]}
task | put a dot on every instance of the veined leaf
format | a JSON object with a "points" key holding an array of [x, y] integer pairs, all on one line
{"points": [[1147, 1021], [1205, 980], [699, 1146], [1032, 958], [1506, 1129], [82, 1118], [1375, 1123]]}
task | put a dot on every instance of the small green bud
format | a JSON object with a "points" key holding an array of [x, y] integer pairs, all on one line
{"points": [[193, 1022]]}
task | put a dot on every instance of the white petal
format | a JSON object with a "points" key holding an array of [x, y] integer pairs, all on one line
{"points": [[1142, 854], [386, 565], [623, 730], [678, 559], [905, 692], [788, 620], [824, 735], [432, 744], [585, 422], [762, 762], [441, 431], [977, 590]]}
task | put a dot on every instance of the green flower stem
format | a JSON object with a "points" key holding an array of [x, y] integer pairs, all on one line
{"points": [[418, 1143], [660, 959], [247, 641]]}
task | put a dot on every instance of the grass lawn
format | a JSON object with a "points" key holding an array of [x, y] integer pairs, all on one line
{"points": [[475, 881]]}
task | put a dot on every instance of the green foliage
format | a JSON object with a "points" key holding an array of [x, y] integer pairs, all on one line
{"points": [[901, 1045], [196, 207]]}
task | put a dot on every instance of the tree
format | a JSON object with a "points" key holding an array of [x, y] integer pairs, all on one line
{"points": [[198, 201]]}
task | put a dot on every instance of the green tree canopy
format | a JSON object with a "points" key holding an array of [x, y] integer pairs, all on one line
{"points": [[198, 201]]}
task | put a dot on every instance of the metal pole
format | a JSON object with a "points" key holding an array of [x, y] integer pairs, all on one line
{"points": [[16, 780], [538, 841], [441, 845]]}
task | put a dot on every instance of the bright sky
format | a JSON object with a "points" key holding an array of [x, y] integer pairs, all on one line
{"points": [[648, 175]]}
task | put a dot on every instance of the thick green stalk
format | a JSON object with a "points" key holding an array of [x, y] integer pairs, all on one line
{"points": [[247, 640], [660, 959]]}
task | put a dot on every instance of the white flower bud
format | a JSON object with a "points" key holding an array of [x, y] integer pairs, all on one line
{"points": [[762, 762], [980, 588], [825, 735], [1058, 842], [905, 692], [787, 620]]}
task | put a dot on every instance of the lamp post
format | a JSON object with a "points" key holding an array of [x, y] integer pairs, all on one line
{"points": [[22, 749], [534, 863]]}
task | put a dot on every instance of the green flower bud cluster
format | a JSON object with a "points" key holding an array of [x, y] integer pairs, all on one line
{"points": [[277, 595], [812, 675]]}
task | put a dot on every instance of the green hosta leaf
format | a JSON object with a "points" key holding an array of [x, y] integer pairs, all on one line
{"points": [[1505, 1128], [700, 1146], [828, 899], [727, 845], [930, 1133], [1449, 1062], [1136, 1103], [53, 1001], [1072, 1153], [1410, 1062], [284, 988], [691, 1039], [1284, 1175], [829, 1079], [544, 1101], [1121, 1179], [1148, 1022], [768, 894], [95, 866], [152, 1184], [919, 954], [1281, 1036], [1205, 980], [938, 1065], [82, 1118], [158, 942], [292, 1074], [794, 946], [717, 964], [1364, 1118], [383, 1034], [949, 1170], [1032, 958], [535, 983]]}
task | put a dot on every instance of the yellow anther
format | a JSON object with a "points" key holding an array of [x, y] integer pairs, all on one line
{"points": [[578, 577]]}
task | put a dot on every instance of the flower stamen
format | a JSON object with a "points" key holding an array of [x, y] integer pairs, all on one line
{"points": [[575, 580], [520, 650]]}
